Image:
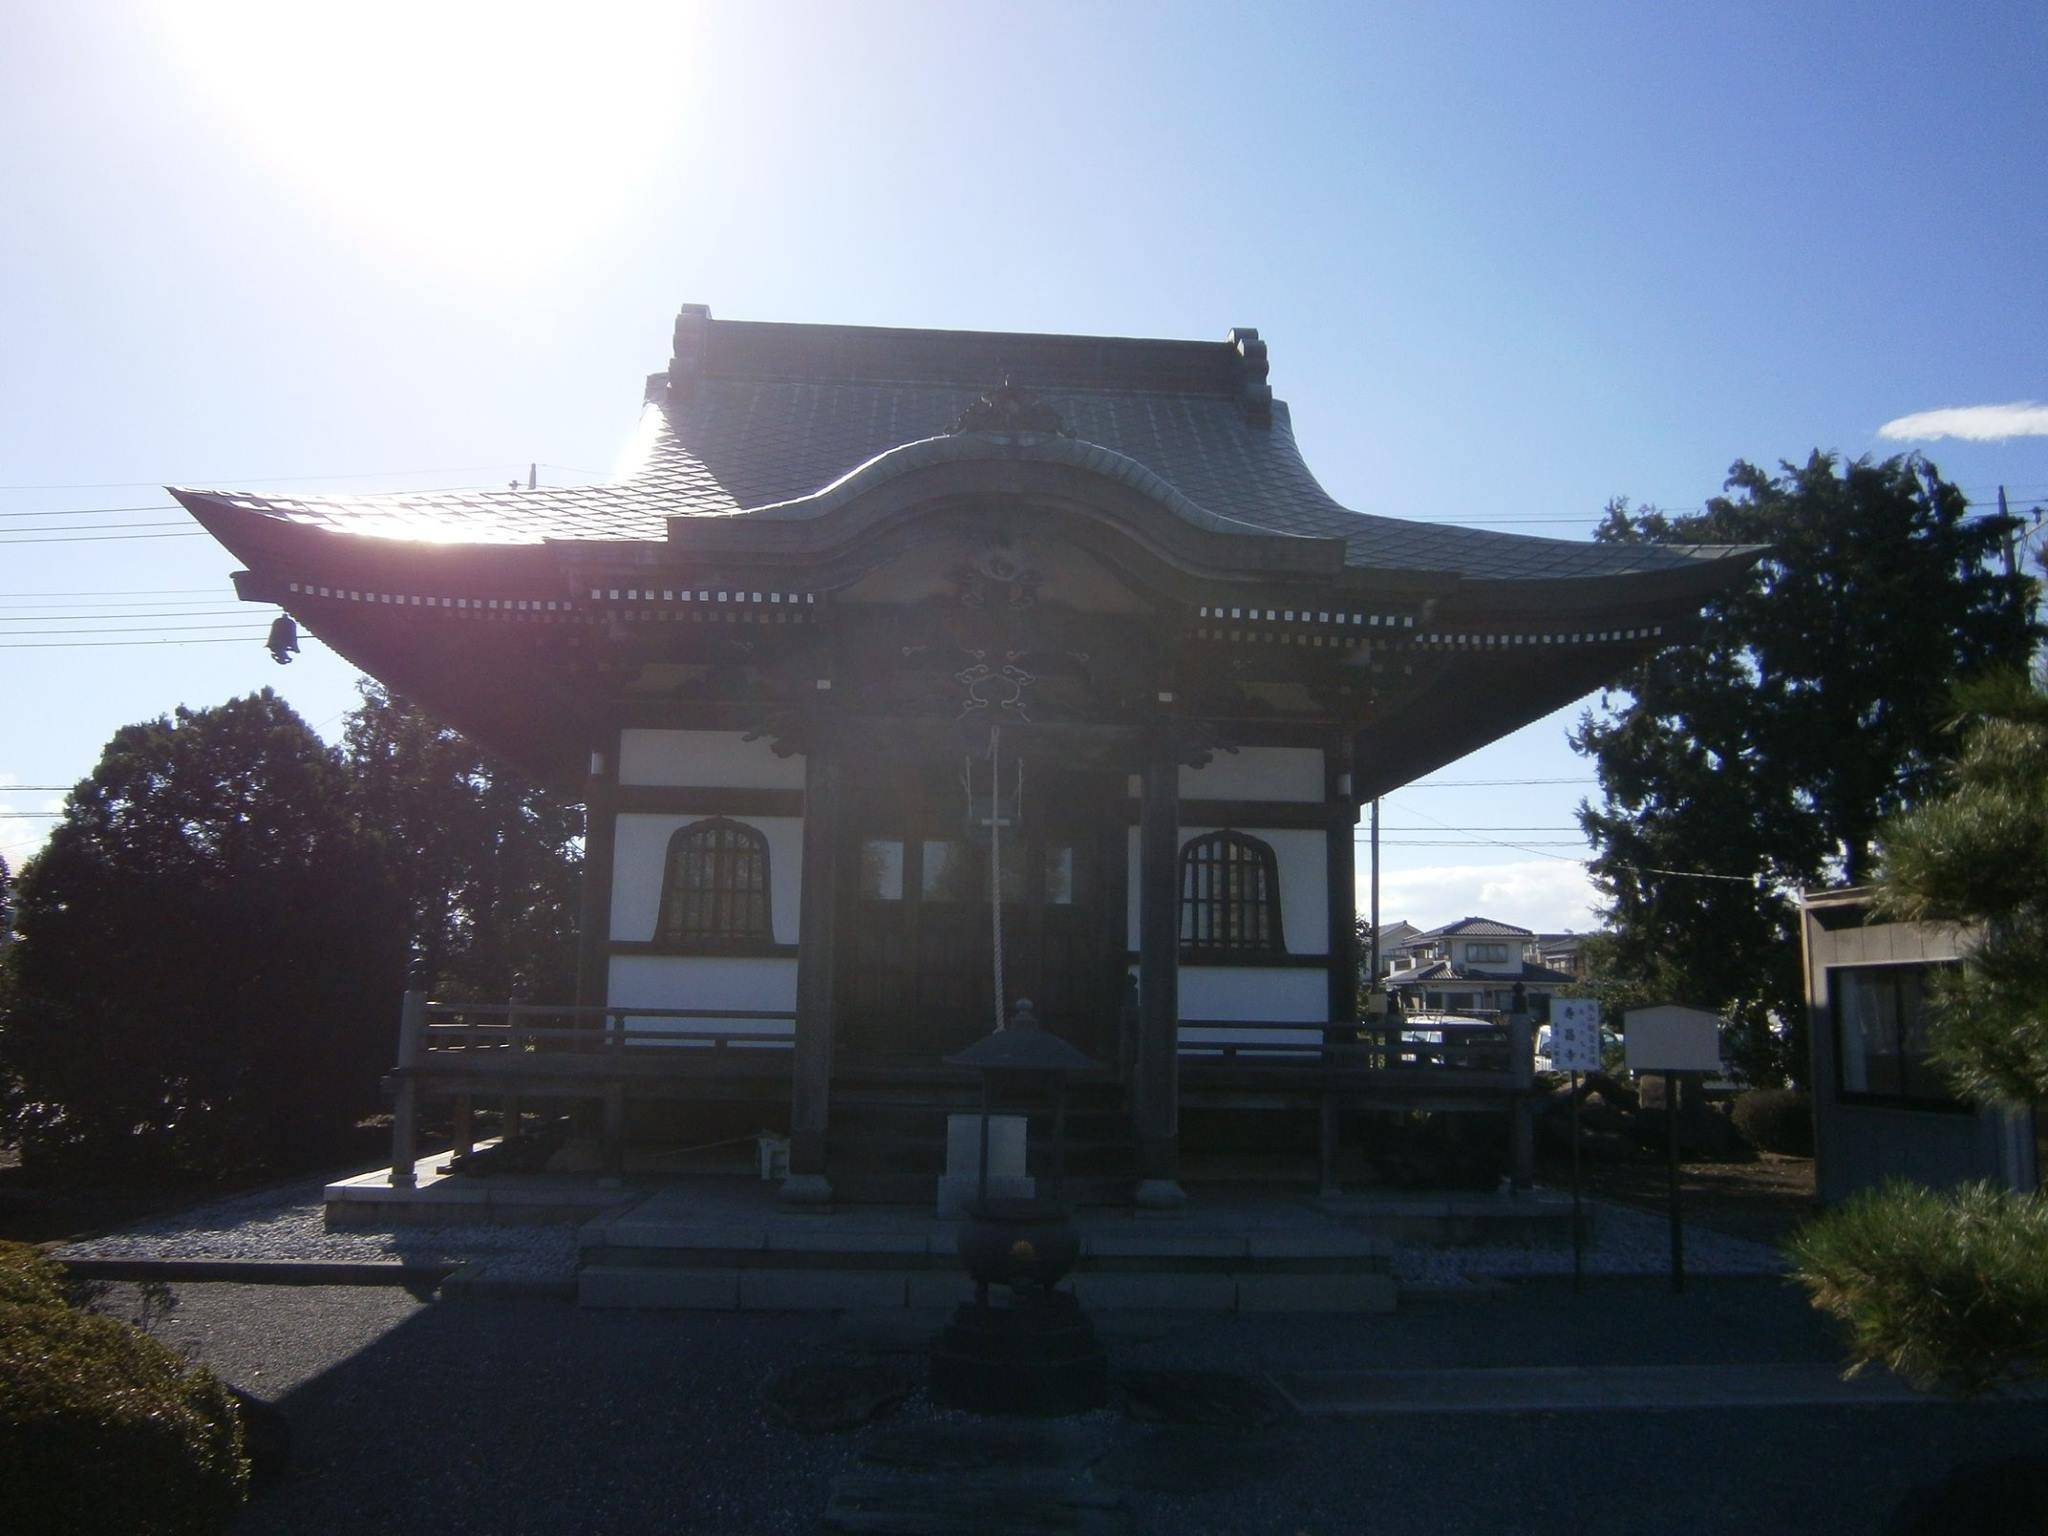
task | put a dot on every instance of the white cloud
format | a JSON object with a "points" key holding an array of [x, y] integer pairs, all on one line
{"points": [[1547, 895], [1976, 423]]}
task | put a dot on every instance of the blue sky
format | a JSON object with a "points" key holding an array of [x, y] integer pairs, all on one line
{"points": [[1511, 261]]}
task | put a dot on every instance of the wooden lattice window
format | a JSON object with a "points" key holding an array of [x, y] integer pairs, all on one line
{"points": [[1230, 896], [715, 891]]}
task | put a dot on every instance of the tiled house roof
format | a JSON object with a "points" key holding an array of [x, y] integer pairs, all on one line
{"points": [[751, 417]]}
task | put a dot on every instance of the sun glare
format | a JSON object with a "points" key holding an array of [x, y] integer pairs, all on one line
{"points": [[484, 139]]}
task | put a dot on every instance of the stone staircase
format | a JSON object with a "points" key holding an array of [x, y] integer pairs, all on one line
{"points": [[730, 1249]]}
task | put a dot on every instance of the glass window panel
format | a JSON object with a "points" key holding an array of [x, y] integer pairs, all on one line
{"points": [[881, 869], [1868, 1009]]}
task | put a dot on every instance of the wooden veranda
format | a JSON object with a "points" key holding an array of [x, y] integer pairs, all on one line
{"points": [[515, 1055]]}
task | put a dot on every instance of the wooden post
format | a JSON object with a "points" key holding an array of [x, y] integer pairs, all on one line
{"points": [[614, 1134], [594, 920], [405, 1114], [1341, 878], [817, 913], [1328, 1126], [1522, 1111], [1155, 1090], [465, 1125]]}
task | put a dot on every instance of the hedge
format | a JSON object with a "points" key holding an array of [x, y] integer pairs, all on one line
{"points": [[102, 1428]]}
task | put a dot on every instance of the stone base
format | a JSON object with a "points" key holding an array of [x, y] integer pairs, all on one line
{"points": [[1038, 1357], [805, 1192], [1159, 1195], [958, 1191]]}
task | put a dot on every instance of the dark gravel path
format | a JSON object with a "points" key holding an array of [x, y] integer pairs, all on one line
{"points": [[531, 1416]]}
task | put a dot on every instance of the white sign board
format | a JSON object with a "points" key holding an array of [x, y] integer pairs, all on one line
{"points": [[1574, 1034], [1672, 1039]]}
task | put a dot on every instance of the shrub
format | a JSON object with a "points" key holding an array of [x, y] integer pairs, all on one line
{"points": [[1775, 1120], [1948, 1290], [101, 1428]]}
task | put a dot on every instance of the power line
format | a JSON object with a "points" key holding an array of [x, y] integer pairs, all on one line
{"points": [[9, 533], [196, 533], [80, 645], [137, 629], [1492, 783], [121, 592], [358, 474], [173, 613], [149, 506]]}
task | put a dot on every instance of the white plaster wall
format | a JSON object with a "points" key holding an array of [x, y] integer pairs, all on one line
{"points": [[1304, 892], [705, 760], [1257, 773], [707, 982], [1254, 992], [640, 851], [1250, 992]]}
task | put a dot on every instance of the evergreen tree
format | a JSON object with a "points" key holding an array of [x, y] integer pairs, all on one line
{"points": [[1764, 754], [208, 961], [486, 861], [1950, 1288]]}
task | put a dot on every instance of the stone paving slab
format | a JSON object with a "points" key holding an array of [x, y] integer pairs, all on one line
{"points": [[1601, 1389]]}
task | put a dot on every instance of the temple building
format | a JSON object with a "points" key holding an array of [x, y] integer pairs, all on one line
{"points": [[876, 612]]}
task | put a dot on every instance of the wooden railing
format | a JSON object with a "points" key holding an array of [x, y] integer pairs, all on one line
{"points": [[1400, 1045], [483, 1028]]}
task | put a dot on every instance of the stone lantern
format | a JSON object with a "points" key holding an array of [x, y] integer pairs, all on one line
{"points": [[1022, 1345]]}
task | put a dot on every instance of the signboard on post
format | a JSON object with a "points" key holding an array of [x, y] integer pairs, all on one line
{"points": [[1574, 1034], [1673, 1039]]}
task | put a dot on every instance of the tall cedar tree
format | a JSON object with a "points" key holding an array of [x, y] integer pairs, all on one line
{"points": [[486, 861], [1769, 750], [207, 956]]}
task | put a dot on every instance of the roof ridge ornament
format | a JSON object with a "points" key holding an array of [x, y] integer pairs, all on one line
{"points": [[1010, 410], [1254, 395]]}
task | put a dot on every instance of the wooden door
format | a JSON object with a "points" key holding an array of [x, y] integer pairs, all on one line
{"points": [[916, 947]]}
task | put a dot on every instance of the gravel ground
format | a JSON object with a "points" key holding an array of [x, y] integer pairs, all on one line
{"points": [[286, 1223], [529, 1416], [289, 1223], [1625, 1242]]}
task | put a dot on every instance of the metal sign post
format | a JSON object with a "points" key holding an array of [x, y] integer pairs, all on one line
{"points": [[1673, 1040], [1575, 1047], [1578, 1225]]}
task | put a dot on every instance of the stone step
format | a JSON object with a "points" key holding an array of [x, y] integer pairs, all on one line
{"points": [[791, 1289]]}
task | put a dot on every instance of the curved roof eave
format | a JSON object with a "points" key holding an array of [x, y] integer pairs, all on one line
{"points": [[1033, 447]]}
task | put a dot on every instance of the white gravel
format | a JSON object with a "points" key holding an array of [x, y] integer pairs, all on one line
{"points": [[289, 1223], [1625, 1241]]}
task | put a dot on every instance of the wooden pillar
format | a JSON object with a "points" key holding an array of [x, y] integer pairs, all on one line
{"points": [[1341, 884], [594, 921], [817, 910], [1155, 1088], [1522, 1116], [405, 1111], [612, 1139]]}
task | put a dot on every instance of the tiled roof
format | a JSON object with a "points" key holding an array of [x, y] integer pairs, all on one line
{"points": [[1444, 970], [1476, 928], [756, 416]]}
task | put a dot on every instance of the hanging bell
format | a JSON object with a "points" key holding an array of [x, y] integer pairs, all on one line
{"points": [[283, 643]]}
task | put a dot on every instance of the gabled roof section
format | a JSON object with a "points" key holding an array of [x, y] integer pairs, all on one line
{"points": [[751, 416], [1474, 928]]}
